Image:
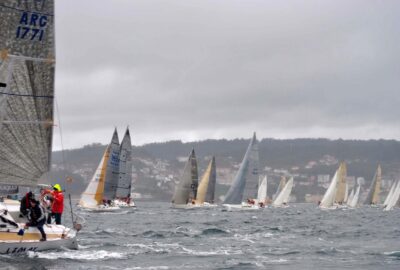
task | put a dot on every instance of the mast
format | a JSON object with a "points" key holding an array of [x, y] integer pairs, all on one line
{"points": [[27, 66]]}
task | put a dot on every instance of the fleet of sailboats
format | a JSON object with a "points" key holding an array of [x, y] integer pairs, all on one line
{"points": [[110, 186], [27, 67]]}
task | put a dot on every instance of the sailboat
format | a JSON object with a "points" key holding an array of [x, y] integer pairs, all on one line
{"points": [[245, 184], [341, 188], [282, 183], [262, 192], [328, 200], [186, 190], [123, 193], [390, 194], [101, 189], [283, 198], [350, 197], [206, 189], [353, 200], [27, 67], [394, 198], [375, 188]]}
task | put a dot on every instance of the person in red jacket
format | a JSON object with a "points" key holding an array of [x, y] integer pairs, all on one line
{"points": [[57, 203]]}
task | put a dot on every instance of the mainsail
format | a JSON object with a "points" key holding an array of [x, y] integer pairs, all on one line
{"points": [[262, 191], [247, 168], [282, 183], [341, 185], [354, 200], [283, 197], [390, 194], [394, 198], [375, 188], [112, 171], [27, 61], [125, 168], [206, 190], [186, 189], [93, 195], [330, 194]]}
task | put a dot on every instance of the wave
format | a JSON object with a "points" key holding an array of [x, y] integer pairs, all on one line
{"points": [[92, 255], [392, 254], [213, 231]]}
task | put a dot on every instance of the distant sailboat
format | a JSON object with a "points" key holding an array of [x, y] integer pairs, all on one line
{"points": [[328, 201], [124, 186], [248, 172], [375, 189], [101, 190], [394, 198], [353, 201], [283, 197], [186, 190], [262, 192], [206, 189], [282, 183], [390, 194]]}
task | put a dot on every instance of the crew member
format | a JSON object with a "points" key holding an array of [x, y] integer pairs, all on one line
{"points": [[57, 203], [37, 218], [25, 204]]}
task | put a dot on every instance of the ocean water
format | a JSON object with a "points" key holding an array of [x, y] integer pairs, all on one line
{"points": [[156, 236]]}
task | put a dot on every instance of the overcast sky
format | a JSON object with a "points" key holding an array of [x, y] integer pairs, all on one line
{"points": [[198, 69]]}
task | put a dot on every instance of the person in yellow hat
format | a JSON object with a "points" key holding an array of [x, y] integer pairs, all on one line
{"points": [[57, 203]]}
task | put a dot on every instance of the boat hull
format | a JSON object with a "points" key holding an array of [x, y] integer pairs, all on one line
{"points": [[16, 247], [241, 207]]}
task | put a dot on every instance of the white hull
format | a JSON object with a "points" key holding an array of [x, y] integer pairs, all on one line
{"points": [[241, 207], [100, 208], [58, 236], [123, 204], [193, 206]]}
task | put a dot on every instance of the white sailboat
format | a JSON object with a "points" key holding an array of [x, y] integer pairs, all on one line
{"points": [[353, 201], [262, 192], [390, 194], [186, 190], [27, 68], [328, 200], [351, 196], [282, 183], [394, 198], [283, 198], [206, 190], [123, 192], [101, 189], [245, 184]]}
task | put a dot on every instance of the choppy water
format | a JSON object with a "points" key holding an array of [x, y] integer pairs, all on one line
{"points": [[158, 237]]}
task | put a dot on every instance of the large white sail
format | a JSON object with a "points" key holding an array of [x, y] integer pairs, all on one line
{"points": [[125, 168], [112, 171], [186, 189], [93, 195], [351, 196], [330, 194], [354, 200], [390, 194], [282, 183], [27, 64], [346, 194], [283, 197], [262, 191], [236, 193], [394, 198]]}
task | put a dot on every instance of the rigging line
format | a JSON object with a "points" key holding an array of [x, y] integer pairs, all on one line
{"points": [[26, 95]]}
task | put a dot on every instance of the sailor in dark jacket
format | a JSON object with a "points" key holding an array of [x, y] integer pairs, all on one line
{"points": [[37, 218], [26, 204]]}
